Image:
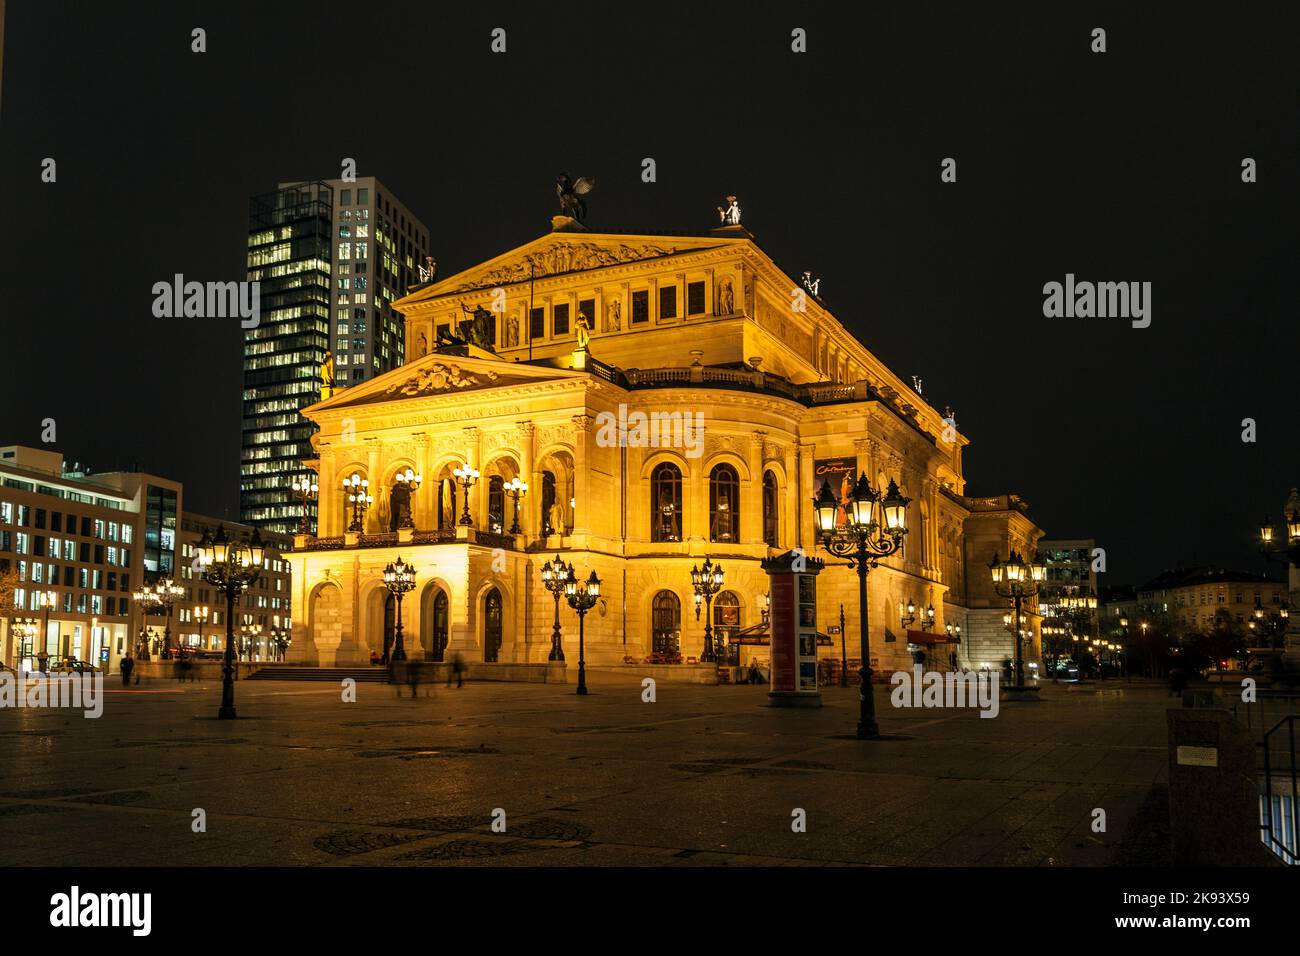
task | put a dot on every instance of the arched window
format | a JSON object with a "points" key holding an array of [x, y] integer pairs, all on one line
{"points": [[496, 504], [666, 626], [770, 510], [548, 499], [666, 503], [726, 623], [446, 504], [492, 625], [724, 504]]}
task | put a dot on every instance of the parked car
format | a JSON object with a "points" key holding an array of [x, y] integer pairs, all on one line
{"points": [[69, 665]]}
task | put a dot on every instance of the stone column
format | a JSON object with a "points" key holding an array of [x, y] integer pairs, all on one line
{"points": [[751, 515], [787, 525], [528, 505], [423, 505], [807, 530], [372, 472], [478, 494], [328, 501], [581, 467]]}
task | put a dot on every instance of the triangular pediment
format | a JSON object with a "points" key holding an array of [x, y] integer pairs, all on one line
{"points": [[560, 253], [439, 374]]}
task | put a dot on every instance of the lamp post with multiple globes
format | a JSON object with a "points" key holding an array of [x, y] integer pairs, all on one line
{"points": [[467, 476], [410, 482], [307, 489], [231, 567], [1017, 579], [399, 578], [864, 539], [707, 581], [516, 489], [582, 598], [554, 575], [356, 494]]}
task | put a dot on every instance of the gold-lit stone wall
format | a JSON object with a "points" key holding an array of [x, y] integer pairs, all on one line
{"points": [[734, 352]]}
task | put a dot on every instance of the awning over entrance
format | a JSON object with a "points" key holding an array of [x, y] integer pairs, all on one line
{"points": [[931, 637], [758, 634]]}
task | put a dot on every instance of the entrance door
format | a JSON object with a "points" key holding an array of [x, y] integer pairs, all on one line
{"points": [[441, 624], [666, 625], [492, 625]]}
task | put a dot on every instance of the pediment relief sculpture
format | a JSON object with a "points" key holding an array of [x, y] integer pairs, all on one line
{"points": [[564, 257], [441, 378]]}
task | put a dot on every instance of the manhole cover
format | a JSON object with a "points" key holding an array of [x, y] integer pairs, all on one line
{"points": [[356, 842]]}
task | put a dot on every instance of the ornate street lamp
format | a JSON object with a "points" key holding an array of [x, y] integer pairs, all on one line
{"points": [[231, 567], [554, 575], [399, 578], [906, 615], [864, 539], [1272, 548], [582, 598], [516, 489], [707, 581], [356, 493], [467, 476], [45, 600], [201, 614], [163, 593], [410, 480], [307, 489], [1017, 579], [25, 628]]}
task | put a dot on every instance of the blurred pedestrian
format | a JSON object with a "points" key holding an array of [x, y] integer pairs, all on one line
{"points": [[457, 670]]}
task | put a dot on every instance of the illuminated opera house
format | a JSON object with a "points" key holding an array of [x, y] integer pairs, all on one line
{"points": [[637, 405]]}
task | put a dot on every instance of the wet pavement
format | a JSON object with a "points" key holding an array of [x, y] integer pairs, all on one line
{"points": [[702, 776]]}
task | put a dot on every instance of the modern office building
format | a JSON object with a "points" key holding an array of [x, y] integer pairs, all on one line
{"points": [[74, 546], [331, 257]]}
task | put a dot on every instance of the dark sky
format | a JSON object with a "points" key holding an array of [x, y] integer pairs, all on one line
{"points": [[1116, 166]]}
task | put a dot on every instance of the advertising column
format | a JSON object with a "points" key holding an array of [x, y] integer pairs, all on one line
{"points": [[792, 624]]}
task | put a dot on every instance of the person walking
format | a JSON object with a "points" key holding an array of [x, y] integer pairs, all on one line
{"points": [[457, 670], [126, 665]]}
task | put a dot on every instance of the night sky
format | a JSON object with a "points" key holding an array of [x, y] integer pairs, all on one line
{"points": [[1123, 166]]}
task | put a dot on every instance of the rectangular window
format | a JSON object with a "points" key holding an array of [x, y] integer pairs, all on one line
{"points": [[695, 298], [560, 319], [345, 197], [363, 197], [537, 324], [668, 302], [587, 307], [640, 306]]}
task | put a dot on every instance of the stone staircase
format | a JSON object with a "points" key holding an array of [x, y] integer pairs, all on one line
{"points": [[375, 675]]}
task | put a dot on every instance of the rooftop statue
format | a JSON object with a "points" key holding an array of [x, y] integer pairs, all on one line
{"points": [[570, 193], [730, 214], [477, 330]]}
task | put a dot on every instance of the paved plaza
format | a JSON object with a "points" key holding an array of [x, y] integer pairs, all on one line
{"points": [[704, 775]]}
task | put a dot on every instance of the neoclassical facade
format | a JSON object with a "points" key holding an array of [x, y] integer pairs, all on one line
{"points": [[713, 396]]}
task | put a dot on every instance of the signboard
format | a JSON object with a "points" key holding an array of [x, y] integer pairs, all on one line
{"points": [[1198, 756], [841, 473]]}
